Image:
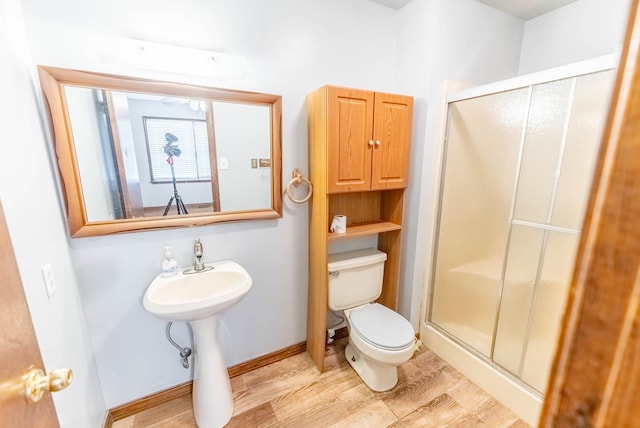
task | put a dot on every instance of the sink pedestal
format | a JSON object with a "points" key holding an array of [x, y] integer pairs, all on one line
{"points": [[212, 396]]}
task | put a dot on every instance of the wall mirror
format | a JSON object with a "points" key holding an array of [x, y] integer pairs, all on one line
{"points": [[136, 154]]}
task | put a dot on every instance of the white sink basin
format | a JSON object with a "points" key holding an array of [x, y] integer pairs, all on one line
{"points": [[198, 298], [187, 297]]}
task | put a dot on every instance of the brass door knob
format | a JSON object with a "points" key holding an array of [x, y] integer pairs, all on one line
{"points": [[37, 382]]}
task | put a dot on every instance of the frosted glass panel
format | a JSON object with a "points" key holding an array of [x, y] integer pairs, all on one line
{"points": [[481, 155], [586, 125], [550, 302], [517, 171], [545, 126], [520, 276]]}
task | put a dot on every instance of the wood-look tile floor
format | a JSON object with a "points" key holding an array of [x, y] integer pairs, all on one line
{"points": [[292, 393]]}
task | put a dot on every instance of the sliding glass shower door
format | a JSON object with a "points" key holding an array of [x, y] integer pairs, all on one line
{"points": [[516, 178]]}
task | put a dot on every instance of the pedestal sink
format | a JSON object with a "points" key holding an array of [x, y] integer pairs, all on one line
{"points": [[199, 298]]}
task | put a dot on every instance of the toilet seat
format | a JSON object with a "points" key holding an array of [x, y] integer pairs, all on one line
{"points": [[381, 327]]}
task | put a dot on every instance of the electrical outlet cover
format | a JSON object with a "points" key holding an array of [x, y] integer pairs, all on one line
{"points": [[49, 280]]}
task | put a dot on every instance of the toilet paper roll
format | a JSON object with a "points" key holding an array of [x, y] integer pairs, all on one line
{"points": [[339, 224]]}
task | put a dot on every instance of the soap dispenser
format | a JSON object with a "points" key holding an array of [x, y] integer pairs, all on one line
{"points": [[169, 264]]}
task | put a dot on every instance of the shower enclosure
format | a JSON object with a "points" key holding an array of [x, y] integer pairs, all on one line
{"points": [[518, 159]]}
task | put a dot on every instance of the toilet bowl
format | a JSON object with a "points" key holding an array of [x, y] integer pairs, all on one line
{"points": [[379, 339]]}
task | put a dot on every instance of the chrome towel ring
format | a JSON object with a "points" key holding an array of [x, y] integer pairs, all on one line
{"points": [[295, 182]]}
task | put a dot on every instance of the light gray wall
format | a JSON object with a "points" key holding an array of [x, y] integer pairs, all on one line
{"points": [[581, 30], [36, 225], [432, 48], [242, 133], [292, 48]]}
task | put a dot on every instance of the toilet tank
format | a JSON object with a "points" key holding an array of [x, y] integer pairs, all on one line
{"points": [[355, 277]]}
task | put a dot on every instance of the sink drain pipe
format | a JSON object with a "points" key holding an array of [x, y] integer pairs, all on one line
{"points": [[184, 352]]}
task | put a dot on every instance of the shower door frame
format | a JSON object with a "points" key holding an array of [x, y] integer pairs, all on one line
{"points": [[504, 386]]}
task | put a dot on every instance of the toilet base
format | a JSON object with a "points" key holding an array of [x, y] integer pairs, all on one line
{"points": [[377, 376]]}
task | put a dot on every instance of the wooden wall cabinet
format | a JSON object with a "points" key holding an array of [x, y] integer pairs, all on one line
{"points": [[359, 145], [369, 139]]}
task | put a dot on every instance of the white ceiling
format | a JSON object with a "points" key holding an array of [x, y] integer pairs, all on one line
{"points": [[393, 4], [523, 9], [526, 9]]}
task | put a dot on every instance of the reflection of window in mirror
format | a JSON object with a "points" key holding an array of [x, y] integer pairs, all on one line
{"points": [[190, 160], [145, 120], [191, 163]]}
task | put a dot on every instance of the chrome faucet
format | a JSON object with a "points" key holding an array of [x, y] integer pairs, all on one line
{"points": [[198, 250]]}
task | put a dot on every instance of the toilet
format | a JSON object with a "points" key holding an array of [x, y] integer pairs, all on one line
{"points": [[379, 338]]}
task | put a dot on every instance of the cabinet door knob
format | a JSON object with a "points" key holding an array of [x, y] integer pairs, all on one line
{"points": [[377, 142], [371, 142]]}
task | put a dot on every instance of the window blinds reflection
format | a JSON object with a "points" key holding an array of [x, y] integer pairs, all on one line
{"points": [[193, 162]]}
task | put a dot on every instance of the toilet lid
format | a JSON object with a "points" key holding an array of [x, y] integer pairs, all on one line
{"points": [[382, 327]]}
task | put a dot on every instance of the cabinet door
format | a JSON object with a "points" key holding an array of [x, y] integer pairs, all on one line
{"points": [[350, 133], [392, 137]]}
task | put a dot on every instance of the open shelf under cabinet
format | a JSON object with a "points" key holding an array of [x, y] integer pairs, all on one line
{"points": [[364, 229]]}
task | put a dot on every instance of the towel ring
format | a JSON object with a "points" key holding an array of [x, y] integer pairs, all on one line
{"points": [[295, 181]]}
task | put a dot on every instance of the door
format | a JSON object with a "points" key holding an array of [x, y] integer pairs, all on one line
{"points": [[350, 140], [19, 350], [392, 141], [596, 376], [118, 146]]}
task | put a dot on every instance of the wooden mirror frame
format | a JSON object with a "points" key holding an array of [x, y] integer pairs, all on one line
{"points": [[53, 80]]}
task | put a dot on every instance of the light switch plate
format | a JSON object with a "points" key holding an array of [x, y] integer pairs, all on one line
{"points": [[49, 280], [224, 163], [265, 163]]}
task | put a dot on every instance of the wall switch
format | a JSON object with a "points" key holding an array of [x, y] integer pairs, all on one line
{"points": [[254, 163], [49, 280], [265, 163], [224, 163]]}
